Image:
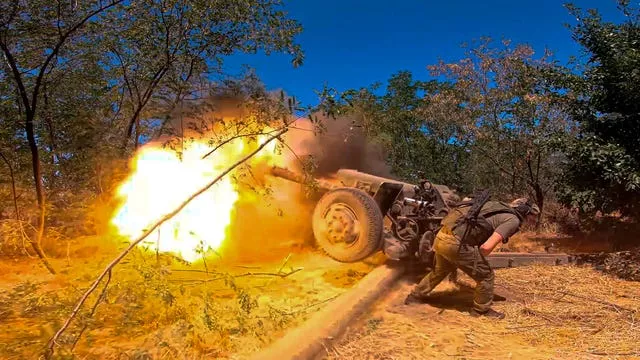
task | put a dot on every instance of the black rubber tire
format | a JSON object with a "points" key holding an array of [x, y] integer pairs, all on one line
{"points": [[370, 219]]}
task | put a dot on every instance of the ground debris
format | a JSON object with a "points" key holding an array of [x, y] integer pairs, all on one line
{"points": [[552, 312], [623, 264], [173, 311]]}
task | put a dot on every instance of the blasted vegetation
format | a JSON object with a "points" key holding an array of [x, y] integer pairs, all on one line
{"points": [[387, 195]]}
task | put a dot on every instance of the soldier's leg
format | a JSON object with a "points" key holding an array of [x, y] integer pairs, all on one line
{"points": [[442, 268], [476, 266], [453, 277]]}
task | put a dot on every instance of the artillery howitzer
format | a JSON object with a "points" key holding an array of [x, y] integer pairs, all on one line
{"points": [[358, 214]]}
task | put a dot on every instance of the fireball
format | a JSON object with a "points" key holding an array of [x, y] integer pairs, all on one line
{"points": [[161, 180]]}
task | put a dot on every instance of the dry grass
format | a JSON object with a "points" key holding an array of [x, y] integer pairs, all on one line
{"points": [[529, 241], [164, 310], [565, 312]]}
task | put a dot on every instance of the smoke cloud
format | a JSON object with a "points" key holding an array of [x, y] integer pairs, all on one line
{"points": [[340, 145], [270, 227]]}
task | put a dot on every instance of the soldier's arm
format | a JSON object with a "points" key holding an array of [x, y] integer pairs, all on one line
{"points": [[490, 244], [508, 226]]}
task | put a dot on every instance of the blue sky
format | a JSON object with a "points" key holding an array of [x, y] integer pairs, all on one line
{"points": [[354, 43]]}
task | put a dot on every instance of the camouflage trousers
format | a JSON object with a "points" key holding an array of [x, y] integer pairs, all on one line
{"points": [[469, 260]]}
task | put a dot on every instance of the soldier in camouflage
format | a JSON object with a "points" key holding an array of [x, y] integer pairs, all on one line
{"points": [[502, 221]]}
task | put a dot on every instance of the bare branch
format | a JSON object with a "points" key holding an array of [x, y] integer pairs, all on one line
{"points": [[124, 74], [14, 12], [60, 43], [93, 310], [279, 274], [58, 15], [142, 102], [228, 140], [510, 173], [292, 151], [616, 307], [17, 76], [528, 160], [52, 342]]}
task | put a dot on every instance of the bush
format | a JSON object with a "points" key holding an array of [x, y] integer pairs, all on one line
{"points": [[557, 218]]}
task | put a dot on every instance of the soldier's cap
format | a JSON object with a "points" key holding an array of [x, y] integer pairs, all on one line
{"points": [[526, 206]]}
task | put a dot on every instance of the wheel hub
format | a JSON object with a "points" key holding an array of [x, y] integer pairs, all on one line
{"points": [[341, 224]]}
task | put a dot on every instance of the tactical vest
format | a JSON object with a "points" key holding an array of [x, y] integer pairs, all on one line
{"points": [[478, 234]]}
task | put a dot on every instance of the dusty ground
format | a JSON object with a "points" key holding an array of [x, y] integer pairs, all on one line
{"points": [[165, 309], [160, 308], [564, 312]]}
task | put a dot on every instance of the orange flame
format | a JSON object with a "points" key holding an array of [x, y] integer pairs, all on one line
{"points": [[161, 181]]}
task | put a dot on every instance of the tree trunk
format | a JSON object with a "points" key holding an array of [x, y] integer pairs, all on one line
{"points": [[137, 139], [37, 177], [52, 140], [13, 186], [539, 198]]}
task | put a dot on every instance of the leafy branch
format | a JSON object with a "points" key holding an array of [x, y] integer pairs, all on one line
{"points": [[53, 341]]}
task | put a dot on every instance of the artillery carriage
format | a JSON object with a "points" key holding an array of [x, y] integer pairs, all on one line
{"points": [[358, 214]]}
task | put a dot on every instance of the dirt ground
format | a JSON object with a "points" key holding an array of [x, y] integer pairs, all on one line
{"points": [[159, 308], [561, 312]]}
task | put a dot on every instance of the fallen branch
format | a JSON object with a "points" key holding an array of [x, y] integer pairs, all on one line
{"points": [[529, 311], [251, 273], [191, 270], [247, 267], [599, 353], [52, 342], [280, 275], [93, 310], [614, 306], [525, 326], [284, 263], [291, 313]]}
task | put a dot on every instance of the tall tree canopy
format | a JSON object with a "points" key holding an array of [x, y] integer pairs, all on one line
{"points": [[486, 122], [603, 171], [81, 77]]}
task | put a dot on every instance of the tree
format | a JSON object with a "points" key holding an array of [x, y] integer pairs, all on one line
{"points": [[506, 111], [602, 171], [63, 58], [32, 36], [416, 144], [157, 58]]}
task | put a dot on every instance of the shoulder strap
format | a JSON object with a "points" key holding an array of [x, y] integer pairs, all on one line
{"points": [[470, 218], [497, 207]]}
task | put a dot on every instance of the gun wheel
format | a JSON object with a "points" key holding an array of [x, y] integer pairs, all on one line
{"points": [[347, 224]]}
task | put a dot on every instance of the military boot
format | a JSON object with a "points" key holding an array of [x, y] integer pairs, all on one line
{"points": [[489, 313], [413, 298]]}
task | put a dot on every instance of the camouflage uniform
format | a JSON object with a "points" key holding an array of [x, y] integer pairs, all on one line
{"points": [[451, 255], [469, 260]]}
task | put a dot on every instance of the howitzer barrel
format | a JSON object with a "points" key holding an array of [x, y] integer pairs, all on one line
{"points": [[287, 174]]}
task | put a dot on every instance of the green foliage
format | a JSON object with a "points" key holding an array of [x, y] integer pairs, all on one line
{"points": [[80, 78], [154, 304], [508, 113], [486, 124], [415, 145], [603, 173]]}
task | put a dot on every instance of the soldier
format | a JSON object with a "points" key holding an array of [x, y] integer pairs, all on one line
{"points": [[502, 221]]}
